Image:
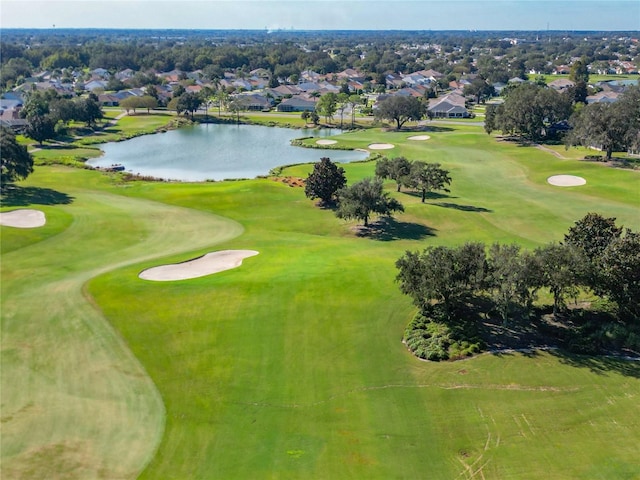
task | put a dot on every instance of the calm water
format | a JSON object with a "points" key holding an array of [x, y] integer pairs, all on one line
{"points": [[216, 152]]}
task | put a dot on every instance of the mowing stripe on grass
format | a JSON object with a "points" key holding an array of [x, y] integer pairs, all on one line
{"points": [[75, 402]]}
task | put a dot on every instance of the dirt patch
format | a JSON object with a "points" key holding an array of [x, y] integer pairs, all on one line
{"points": [[291, 181], [208, 264], [23, 218]]}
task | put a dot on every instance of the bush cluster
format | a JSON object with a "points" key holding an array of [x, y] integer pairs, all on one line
{"points": [[446, 283]]}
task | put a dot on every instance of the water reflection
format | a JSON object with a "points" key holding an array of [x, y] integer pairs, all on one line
{"points": [[217, 152]]}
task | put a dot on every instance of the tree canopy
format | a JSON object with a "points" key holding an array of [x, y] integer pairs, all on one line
{"points": [[16, 162], [364, 198], [400, 109], [427, 177], [324, 181], [327, 105], [188, 102], [442, 274], [529, 110], [608, 126], [397, 169], [593, 234]]}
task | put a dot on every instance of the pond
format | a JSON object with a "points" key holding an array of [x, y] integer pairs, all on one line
{"points": [[217, 152]]}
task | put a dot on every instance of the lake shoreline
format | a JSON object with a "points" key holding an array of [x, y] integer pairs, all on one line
{"points": [[215, 151]]}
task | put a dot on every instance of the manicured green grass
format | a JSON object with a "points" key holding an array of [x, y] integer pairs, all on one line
{"points": [[291, 366], [592, 78], [129, 126], [64, 154], [75, 402]]}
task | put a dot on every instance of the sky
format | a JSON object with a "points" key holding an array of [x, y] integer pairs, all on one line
{"points": [[605, 15]]}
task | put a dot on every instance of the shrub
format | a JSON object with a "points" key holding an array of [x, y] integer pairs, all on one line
{"points": [[432, 340]]}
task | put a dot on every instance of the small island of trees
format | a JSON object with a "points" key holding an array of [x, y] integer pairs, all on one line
{"points": [[459, 290]]}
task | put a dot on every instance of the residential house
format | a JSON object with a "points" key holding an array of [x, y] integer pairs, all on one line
{"points": [[258, 83], [297, 104], [417, 91], [95, 85], [241, 83], [10, 114], [561, 84], [626, 68], [448, 106], [414, 79], [109, 99], [125, 74], [310, 76], [393, 80], [288, 89], [355, 85], [431, 74], [603, 97], [350, 74], [100, 73], [255, 102], [174, 76], [309, 86], [262, 73]]}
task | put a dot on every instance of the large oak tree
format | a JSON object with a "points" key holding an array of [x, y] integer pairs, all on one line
{"points": [[400, 109], [16, 162], [325, 180], [364, 198]]}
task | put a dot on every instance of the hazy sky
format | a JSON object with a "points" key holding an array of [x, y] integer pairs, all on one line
{"points": [[324, 14]]}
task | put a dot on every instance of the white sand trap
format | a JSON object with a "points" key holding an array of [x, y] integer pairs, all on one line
{"points": [[419, 137], [198, 267], [381, 146], [326, 142], [23, 218], [566, 180]]}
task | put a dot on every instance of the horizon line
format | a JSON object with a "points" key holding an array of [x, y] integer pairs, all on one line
{"points": [[302, 30]]}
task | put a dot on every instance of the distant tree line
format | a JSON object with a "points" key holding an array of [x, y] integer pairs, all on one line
{"points": [[534, 112], [451, 285], [287, 54], [48, 114]]}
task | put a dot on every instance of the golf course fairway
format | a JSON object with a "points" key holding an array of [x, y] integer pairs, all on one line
{"points": [[291, 365]]}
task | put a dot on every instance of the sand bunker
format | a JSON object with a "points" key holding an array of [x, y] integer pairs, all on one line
{"points": [[198, 267], [326, 142], [381, 146], [566, 180], [23, 218], [419, 137]]}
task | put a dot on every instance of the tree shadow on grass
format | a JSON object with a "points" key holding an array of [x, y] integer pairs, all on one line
{"points": [[433, 128], [426, 128], [63, 146], [541, 332], [18, 196], [463, 208], [388, 229], [600, 365], [428, 196]]}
